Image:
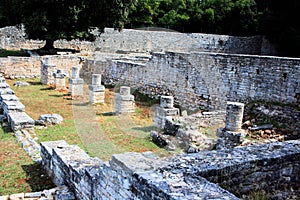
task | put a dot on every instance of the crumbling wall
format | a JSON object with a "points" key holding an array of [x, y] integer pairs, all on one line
{"points": [[130, 40], [207, 80], [270, 168], [28, 67]]}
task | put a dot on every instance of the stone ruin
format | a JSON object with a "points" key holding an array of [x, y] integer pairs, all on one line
{"points": [[164, 110], [124, 101], [96, 90], [200, 175], [47, 71], [59, 80], [232, 135], [76, 83]]}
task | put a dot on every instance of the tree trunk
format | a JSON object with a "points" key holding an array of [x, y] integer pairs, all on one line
{"points": [[49, 45]]}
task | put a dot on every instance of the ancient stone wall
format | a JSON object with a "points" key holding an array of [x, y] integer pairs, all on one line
{"points": [[273, 168], [144, 41], [12, 38], [207, 80], [27, 67]]}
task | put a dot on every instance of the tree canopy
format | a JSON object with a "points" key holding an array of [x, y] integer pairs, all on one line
{"points": [[278, 20], [69, 19], [63, 19]]}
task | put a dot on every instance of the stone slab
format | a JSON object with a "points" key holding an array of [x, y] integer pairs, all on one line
{"points": [[20, 120], [9, 106]]}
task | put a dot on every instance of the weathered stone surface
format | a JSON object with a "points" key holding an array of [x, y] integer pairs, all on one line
{"points": [[124, 101], [13, 106], [165, 110], [6, 91], [201, 80], [272, 168], [20, 120], [234, 116], [49, 119], [47, 71], [21, 84]]}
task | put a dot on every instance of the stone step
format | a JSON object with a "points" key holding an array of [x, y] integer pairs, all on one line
{"points": [[20, 120], [12, 106]]}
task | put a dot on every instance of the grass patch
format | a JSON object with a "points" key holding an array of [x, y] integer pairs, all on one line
{"points": [[94, 128], [18, 173], [5, 53]]}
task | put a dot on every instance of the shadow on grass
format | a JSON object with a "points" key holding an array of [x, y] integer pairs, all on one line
{"points": [[56, 95], [48, 88], [145, 129], [80, 104], [107, 114], [34, 83], [37, 177]]}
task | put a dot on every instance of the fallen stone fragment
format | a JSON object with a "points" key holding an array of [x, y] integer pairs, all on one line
{"points": [[21, 84], [262, 127], [49, 119]]}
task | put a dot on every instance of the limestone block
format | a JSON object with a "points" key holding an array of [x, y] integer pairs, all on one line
{"points": [[96, 79], [77, 81], [75, 72], [4, 85], [49, 119], [124, 103], [124, 90], [161, 114], [2, 80], [97, 88], [76, 90], [166, 101], [13, 106], [96, 96], [47, 71], [20, 120], [234, 116], [4, 91]]}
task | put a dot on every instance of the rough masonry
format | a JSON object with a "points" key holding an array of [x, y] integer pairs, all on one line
{"points": [[201, 81], [269, 168]]}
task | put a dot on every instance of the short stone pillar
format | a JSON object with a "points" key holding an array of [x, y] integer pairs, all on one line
{"points": [[59, 80], [96, 90], [165, 109], [47, 71], [76, 83], [234, 116], [124, 101], [232, 135]]}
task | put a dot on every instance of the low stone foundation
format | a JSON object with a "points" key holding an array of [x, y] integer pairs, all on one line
{"points": [[273, 169]]}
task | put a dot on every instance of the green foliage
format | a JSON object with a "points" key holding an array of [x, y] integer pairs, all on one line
{"points": [[59, 19], [235, 17]]}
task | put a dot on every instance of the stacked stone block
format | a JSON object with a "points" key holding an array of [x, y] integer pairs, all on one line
{"points": [[96, 90], [189, 176], [12, 109], [47, 71], [124, 101], [76, 83], [164, 110], [59, 80], [13, 112], [126, 176], [232, 135]]}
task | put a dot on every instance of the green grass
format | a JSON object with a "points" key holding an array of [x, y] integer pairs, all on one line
{"points": [[5, 53], [18, 173], [92, 127]]}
